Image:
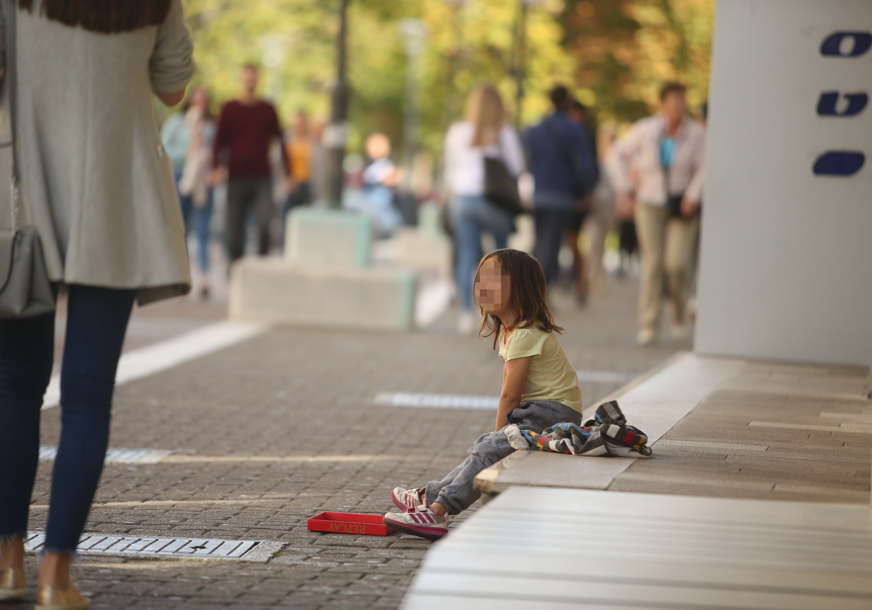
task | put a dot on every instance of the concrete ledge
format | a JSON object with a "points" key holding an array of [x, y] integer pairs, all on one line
{"points": [[328, 238], [550, 549], [660, 399], [273, 291]]}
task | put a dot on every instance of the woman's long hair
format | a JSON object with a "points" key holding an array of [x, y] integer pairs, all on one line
{"points": [[526, 293], [107, 16], [486, 112]]}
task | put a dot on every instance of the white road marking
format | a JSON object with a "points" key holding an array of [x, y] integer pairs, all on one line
{"points": [[423, 400], [117, 455], [439, 401], [152, 359]]}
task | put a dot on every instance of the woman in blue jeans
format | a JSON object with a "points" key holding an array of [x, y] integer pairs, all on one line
{"points": [[99, 190], [483, 133]]}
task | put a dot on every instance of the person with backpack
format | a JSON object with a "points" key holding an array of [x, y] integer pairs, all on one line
{"points": [[468, 144]]}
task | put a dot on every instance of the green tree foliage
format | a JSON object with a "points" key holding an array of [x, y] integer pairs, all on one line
{"points": [[613, 52], [625, 49]]}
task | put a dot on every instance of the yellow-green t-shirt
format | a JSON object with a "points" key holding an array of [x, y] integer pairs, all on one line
{"points": [[550, 376]]}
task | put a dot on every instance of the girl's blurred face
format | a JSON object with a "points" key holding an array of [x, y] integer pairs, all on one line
{"points": [[492, 289]]}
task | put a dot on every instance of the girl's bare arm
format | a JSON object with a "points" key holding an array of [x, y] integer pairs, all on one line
{"points": [[514, 381]]}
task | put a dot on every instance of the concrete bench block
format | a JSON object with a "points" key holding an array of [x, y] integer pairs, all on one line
{"points": [[430, 219], [423, 251], [273, 291], [328, 238]]}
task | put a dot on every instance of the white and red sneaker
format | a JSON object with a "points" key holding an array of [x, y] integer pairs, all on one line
{"points": [[408, 500], [421, 522]]}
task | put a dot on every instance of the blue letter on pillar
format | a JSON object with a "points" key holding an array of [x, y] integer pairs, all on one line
{"points": [[829, 99], [860, 43], [839, 163]]}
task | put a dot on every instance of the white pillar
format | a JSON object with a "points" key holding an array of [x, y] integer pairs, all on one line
{"points": [[786, 269]]}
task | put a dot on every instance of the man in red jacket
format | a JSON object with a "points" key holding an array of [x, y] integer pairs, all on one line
{"points": [[246, 129]]}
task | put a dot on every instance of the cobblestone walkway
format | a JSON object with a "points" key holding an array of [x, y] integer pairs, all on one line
{"points": [[269, 432]]}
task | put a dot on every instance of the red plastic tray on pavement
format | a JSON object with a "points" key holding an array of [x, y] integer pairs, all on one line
{"points": [[350, 523]]}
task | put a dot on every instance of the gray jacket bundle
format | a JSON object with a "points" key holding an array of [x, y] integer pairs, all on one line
{"points": [[607, 434]]}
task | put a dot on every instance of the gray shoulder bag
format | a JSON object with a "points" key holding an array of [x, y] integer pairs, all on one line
{"points": [[25, 289]]}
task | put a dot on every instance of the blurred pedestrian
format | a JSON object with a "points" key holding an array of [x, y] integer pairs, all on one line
{"points": [[195, 189], [564, 170], [484, 133], [380, 172], [99, 190], [318, 162], [299, 149], [602, 214], [378, 181], [581, 114], [628, 244], [247, 127], [659, 173], [176, 138]]}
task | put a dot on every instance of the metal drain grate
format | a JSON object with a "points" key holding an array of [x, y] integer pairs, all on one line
{"points": [[148, 546], [118, 455]]}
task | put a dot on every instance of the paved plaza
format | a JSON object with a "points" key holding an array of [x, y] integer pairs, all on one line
{"points": [[263, 434], [246, 442]]}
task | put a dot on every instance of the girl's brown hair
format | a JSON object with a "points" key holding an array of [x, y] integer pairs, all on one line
{"points": [[526, 293], [107, 16]]}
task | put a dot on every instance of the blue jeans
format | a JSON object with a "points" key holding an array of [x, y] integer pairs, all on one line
{"points": [[198, 219], [456, 491], [470, 217], [551, 227], [96, 323]]}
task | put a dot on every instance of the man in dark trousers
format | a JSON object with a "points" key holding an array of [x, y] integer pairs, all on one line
{"points": [[246, 129], [564, 171]]}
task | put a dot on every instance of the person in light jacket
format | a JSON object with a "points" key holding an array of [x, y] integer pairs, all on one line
{"points": [[657, 168], [99, 190]]}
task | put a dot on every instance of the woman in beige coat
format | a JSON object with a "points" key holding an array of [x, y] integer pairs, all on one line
{"points": [[95, 182], [658, 171]]}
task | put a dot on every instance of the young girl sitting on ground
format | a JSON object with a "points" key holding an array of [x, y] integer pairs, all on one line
{"points": [[540, 387]]}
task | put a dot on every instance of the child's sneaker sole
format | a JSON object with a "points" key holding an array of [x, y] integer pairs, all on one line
{"points": [[423, 531]]}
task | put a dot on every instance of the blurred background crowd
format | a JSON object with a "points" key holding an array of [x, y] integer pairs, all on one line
{"points": [[595, 107]]}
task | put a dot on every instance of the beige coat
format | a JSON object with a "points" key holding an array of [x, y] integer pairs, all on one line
{"points": [[94, 178], [633, 162]]}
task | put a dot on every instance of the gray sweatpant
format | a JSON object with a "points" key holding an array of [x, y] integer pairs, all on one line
{"points": [[455, 491]]}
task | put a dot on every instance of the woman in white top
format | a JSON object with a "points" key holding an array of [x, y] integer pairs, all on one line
{"points": [[483, 133]]}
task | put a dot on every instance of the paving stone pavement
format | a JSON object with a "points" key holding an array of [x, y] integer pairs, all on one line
{"points": [[791, 463], [272, 431]]}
